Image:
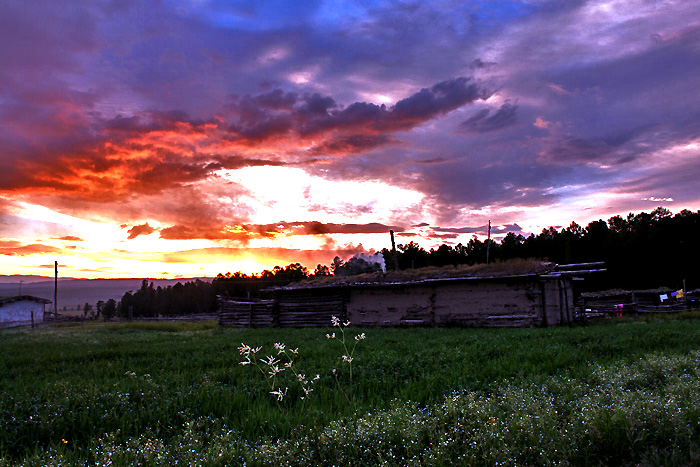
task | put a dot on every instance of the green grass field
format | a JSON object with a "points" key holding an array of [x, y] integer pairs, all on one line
{"points": [[619, 393]]}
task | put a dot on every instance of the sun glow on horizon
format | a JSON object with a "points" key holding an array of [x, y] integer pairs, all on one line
{"points": [[288, 193]]}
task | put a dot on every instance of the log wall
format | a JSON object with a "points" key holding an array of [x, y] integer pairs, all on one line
{"points": [[512, 301], [309, 307], [245, 313], [473, 303]]}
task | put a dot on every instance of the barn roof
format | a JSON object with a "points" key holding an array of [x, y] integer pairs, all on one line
{"points": [[19, 298]]}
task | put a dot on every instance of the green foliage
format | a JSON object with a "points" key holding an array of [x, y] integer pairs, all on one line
{"points": [[109, 309], [643, 412], [194, 297], [615, 394], [239, 284]]}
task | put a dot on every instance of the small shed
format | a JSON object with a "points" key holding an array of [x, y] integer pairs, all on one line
{"points": [[22, 310]]}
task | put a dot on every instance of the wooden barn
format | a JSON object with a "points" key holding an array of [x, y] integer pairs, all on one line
{"points": [[544, 298], [22, 310]]}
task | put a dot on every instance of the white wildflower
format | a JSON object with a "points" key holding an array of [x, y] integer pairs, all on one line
{"points": [[274, 369], [244, 349], [279, 393], [335, 321], [270, 360]]}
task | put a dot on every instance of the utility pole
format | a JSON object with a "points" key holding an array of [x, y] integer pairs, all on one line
{"points": [[55, 290], [488, 243], [393, 250]]}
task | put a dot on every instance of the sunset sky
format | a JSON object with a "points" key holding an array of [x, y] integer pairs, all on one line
{"points": [[187, 138]]}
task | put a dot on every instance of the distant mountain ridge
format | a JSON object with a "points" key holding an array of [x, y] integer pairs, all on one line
{"points": [[74, 293]]}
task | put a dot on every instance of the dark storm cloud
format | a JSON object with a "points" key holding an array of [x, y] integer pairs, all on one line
{"points": [[481, 230], [352, 144], [433, 160], [575, 150], [314, 114], [483, 121]]}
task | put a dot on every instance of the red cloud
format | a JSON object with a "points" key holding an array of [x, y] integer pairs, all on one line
{"points": [[143, 229], [109, 164], [244, 232]]}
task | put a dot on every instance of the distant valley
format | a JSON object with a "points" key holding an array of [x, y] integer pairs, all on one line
{"points": [[74, 293]]}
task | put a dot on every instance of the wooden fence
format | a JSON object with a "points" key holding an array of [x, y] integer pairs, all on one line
{"points": [[627, 302], [246, 313], [310, 309]]}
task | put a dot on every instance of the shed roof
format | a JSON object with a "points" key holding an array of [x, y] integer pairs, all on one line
{"points": [[510, 270], [19, 298]]}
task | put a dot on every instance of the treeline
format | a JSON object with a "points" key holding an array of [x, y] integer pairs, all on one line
{"points": [[644, 250], [198, 297]]}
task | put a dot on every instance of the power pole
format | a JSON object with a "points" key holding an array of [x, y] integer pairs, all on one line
{"points": [[55, 290], [393, 250], [488, 243]]}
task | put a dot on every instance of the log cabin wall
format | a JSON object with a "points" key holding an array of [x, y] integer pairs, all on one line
{"points": [[513, 301], [508, 301]]}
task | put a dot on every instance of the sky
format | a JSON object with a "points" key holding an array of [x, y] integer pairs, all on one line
{"points": [[185, 138]]}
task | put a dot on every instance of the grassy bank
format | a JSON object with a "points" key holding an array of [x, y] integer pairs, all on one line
{"points": [[619, 392]]}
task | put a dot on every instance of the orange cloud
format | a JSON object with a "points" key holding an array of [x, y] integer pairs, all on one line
{"points": [[143, 229], [69, 238], [268, 257], [26, 250], [154, 165]]}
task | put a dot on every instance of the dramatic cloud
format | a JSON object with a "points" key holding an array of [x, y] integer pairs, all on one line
{"points": [[206, 127], [483, 122], [246, 232], [25, 250], [137, 230]]}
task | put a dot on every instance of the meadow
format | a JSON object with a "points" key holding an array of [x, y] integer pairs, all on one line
{"points": [[624, 392]]}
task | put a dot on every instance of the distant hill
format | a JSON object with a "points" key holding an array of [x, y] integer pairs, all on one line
{"points": [[73, 294], [14, 279]]}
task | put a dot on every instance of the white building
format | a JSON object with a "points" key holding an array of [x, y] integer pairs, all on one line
{"points": [[22, 309]]}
